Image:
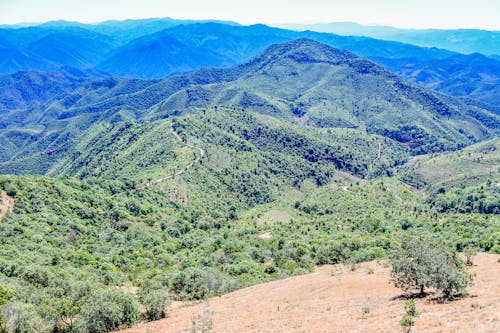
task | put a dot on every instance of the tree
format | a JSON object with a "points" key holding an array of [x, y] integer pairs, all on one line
{"points": [[418, 263], [106, 310]]}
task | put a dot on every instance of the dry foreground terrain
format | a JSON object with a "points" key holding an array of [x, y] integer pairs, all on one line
{"points": [[332, 299]]}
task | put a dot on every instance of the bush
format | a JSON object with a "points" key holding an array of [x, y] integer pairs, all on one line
{"points": [[106, 310], [408, 320], [22, 318], [155, 301], [198, 283], [418, 263]]}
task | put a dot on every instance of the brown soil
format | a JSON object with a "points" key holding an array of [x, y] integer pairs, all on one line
{"points": [[6, 204], [332, 300]]}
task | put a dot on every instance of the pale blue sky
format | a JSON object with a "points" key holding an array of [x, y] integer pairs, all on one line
{"points": [[484, 14]]}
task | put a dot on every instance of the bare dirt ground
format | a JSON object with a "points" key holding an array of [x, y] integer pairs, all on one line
{"points": [[332, 300], [6, 204]]}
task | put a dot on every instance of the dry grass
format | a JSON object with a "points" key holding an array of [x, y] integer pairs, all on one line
{"points": [[336, 299]]}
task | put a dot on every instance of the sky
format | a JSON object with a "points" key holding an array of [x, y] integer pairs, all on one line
{"points": [[445, 14]]}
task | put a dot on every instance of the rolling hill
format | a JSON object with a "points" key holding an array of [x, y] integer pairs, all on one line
{"points": [[472, 165], [159, 56], [464, 181], [157, 48], [236, 44]]}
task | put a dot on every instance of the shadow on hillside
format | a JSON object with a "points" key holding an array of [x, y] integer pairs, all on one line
{"points": [[432, 297]]}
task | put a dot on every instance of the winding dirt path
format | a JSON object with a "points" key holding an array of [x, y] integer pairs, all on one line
{"points": [[160, 180], [196, 160], [6, 204]]}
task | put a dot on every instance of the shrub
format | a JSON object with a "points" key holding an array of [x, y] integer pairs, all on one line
{"points": [[5, 294], [155, 301], [469, 253], [418, 263], [22, 318], [408, 320], [198, 283], [106, 310]]}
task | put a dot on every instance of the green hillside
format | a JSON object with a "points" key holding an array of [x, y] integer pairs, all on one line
{"points": [[464, 181], [469, 166], [68, 238]]}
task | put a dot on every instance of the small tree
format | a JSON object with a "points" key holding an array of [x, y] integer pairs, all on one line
{"points": [[469, 253], [418, 263], [408, 320]]}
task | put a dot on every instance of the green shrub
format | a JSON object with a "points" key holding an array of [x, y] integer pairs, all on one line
{"points": [[408, 320], [106, 310], [22, 318], [155, 301]]}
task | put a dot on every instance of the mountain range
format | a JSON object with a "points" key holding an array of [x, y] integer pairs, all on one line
{"points": [[458, 40], [164, 47], [189, 181]]}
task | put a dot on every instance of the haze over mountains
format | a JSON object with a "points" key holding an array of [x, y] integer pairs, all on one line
{"points": [[458, 40]]}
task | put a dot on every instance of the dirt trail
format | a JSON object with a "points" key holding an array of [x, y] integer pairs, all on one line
{"points": [[160, 180], [332, 300], [6, 204], [197, 159]]}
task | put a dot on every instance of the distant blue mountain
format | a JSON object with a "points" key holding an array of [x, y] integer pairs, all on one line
{"points": [[224, 45], [475, 75], [38, 48], [158, 56], [458, 40]]}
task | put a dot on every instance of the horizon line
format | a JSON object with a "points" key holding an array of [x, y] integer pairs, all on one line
{"points": [[284, 25]]}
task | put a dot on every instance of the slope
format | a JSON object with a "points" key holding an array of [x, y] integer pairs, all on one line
{"points": [[159, 56], [470, 166], [464, 181], [459, 40], [231, 45], [49, 48], [156, 48], [332, 299]]}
